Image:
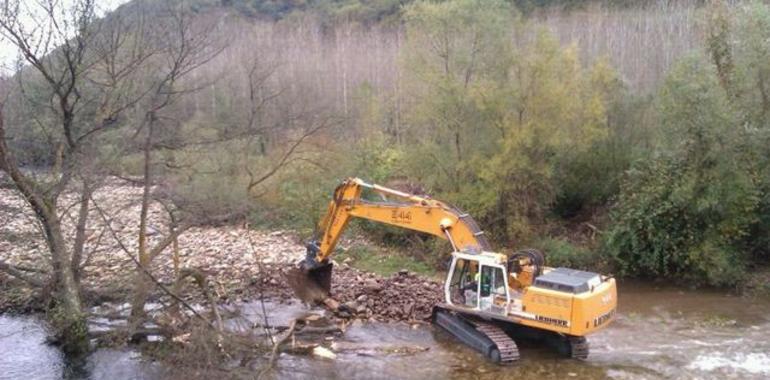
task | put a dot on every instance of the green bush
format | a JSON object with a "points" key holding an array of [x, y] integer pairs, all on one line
{"points": [[561, 253], [661, 227], [689, 211], [587, 180]]}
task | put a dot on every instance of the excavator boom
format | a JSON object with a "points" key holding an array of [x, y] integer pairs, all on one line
{"points": [[413, 212]]}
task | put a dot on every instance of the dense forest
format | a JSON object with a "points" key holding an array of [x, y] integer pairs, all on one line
{"points": [[635, 143]]}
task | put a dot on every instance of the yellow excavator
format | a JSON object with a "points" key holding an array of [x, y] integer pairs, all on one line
{"points": [[489, 298]]}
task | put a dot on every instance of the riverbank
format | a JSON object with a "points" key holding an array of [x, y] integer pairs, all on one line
{"points": [[239, 263], [241, 266], [228, 255], [244, 267]]}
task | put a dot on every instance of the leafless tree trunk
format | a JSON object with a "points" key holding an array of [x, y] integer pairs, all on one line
{"points": [[186, 48], [62, 44]]}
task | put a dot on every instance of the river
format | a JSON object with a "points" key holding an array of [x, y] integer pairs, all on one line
{"points": [[660, 333]]}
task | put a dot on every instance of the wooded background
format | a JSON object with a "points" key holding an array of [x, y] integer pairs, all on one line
{"points": [[626, 137]]}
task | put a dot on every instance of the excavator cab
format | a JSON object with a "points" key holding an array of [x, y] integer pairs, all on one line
{"points": [[478, 282]]}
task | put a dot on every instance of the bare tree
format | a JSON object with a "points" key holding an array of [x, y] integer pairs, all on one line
{"points": [[86, 91], [184, 48], [192, 45]]}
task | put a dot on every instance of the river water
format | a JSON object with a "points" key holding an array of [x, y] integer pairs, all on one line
{"points": [[660, 333], [24, 354]]}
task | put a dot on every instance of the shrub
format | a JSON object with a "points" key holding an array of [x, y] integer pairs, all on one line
{"points": [[561, 253], [662, 227], [689, 211]]}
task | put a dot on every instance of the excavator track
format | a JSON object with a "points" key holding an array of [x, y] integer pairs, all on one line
{"points": [[578, 347], [489, 339], [506, 348]]}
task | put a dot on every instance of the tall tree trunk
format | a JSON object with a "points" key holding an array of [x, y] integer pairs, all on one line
{"points": [[458, 149], [142, 282], [80, 230], [66, 315]]}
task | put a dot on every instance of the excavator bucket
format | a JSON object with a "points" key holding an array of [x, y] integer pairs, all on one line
{"points": [[311, 284]]}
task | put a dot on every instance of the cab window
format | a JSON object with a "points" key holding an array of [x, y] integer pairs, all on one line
{"points": [[492, 291], [463, 286]]}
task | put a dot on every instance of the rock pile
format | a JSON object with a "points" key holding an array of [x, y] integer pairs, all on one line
{"points": [[230, 255], [403, 296]]}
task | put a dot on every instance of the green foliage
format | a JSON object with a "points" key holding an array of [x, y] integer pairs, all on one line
{"points": [[498, 120], [382, 262], [751, 53], [495, 115], [70, 331], [523, 134], [298, 203], [688, 212], [749, 26], [738, 48], [370, 11], [717, 42], [364, 11], [469, 51], [297, 197], [586, 180], [376, 159], [561, 253], [546, 127]]}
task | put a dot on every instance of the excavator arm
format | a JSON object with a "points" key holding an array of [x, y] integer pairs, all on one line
{"points": [[396, 208], [312, 280]]}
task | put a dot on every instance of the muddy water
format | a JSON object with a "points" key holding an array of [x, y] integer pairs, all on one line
{"points": [[660, 333]]}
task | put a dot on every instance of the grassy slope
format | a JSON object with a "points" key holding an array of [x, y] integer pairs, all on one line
{"points": [[383, 261]]}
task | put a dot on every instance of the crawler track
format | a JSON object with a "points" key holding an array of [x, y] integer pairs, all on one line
{"points": [[506, 350], [578, 347], [486, 338]]}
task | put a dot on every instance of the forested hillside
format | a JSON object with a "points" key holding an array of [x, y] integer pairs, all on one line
{"points": [[628, 136], [145, 149]]}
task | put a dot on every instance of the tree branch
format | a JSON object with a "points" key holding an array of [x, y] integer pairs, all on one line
{"points": [[19, 273]]}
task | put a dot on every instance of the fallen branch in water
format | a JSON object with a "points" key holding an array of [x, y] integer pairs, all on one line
{"points": [[300, 349], [200, 279], [307, 330], [266, 325], [138, 334], [127, 252], [362, 349], [274, 353]]}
